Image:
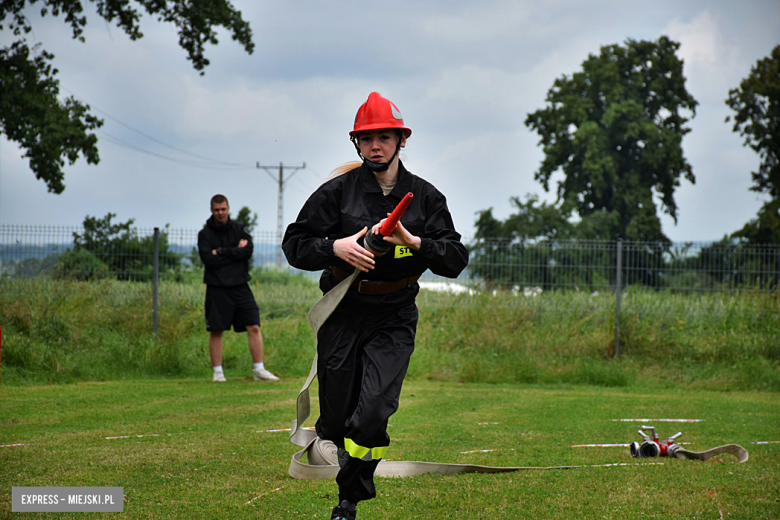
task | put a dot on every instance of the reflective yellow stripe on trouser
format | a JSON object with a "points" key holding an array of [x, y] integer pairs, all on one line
{"points": [[363, 453]]}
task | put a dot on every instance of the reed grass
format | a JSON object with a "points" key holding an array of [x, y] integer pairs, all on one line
{"points": [[64, 331]]}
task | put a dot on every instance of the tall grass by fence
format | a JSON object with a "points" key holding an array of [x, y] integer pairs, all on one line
{"points": [[725, 271]]}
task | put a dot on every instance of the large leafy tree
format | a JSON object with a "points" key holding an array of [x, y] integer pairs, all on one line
{"points": [[615, 130], [757, 106], [51, 130]]}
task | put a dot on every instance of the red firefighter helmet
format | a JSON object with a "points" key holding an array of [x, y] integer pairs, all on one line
{"points": [[378, 113]]}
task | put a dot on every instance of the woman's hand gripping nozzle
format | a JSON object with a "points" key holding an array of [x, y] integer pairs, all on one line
{"points": [[375, 243]]}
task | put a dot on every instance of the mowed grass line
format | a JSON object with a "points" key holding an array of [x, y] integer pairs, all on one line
{"points": [[201, 455]]}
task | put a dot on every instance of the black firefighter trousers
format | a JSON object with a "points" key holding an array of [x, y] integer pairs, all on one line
{"points": [[363, 355]]}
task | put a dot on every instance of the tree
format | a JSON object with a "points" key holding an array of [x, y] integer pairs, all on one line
{"points": [[765, 228], [500, 248], [615, 129], [51, 130], [246, 217], [120, 249], [32, 115], [80, 264], [542, 245], [757, 106], [529, 223]]}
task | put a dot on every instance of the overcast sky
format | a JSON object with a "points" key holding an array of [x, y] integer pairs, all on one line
{"points": [[464, 74]]}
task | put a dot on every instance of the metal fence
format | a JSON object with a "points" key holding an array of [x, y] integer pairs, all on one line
{"points": [[589, 265], [70, 252], [706, 283], [146, 255]]}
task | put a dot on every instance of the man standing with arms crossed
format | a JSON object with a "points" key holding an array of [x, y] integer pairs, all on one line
{"points": [[225, 247]]}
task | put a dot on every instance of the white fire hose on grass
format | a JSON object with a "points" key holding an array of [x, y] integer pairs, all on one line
{"points": [[322, 455]]}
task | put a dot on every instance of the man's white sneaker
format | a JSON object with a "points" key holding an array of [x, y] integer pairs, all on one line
{"points": [[265, 375], [219, 377]]}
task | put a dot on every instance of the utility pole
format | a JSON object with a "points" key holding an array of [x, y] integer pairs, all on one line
{"points": [[280, 209]]}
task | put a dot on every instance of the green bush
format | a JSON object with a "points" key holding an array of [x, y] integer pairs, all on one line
{"points": [[80, 264]]}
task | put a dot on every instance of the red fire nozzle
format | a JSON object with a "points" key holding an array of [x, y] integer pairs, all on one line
{"points": [[392, 221], [375, 243]]}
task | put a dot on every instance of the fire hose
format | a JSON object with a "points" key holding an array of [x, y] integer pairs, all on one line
{"points": [[321, 454], [654, 447]]}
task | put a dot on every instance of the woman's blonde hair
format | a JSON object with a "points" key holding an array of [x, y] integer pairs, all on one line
{"points": [[344, 168]]}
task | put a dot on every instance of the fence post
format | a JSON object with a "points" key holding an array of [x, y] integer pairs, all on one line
{"points": [[617, 295], [155, 278]]}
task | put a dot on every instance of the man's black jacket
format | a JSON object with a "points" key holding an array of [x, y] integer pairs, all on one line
{"points": [[343, 206], [230, 267]]}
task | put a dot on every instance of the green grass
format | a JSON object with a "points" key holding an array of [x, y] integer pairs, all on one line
{"points": [[526, 377], [203, 453], [67, 331], [717, 341]]}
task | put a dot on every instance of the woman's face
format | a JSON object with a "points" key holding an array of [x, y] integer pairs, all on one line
{"points": [[379, 145]]}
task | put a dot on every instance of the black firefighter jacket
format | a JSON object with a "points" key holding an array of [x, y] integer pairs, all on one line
{"points": [[230, 267], [342, 206]]}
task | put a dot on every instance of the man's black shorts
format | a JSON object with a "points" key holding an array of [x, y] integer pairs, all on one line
{"points": [[226, 306]]}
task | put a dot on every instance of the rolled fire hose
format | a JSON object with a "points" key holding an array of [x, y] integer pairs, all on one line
{"points": [[653, 447]]}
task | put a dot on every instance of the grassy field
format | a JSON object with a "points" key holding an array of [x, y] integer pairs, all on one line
{"points": [[188, 448], [521, 377]]}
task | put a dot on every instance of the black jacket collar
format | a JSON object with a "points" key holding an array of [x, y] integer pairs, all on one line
{"points": [[370, 185], [212, 223]]}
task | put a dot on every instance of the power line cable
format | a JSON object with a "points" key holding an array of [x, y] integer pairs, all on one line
{"points": [[125, 144], [195, 164], [320, 178], [302, 192], [158, 141], [214, 161], [305, 183]]}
